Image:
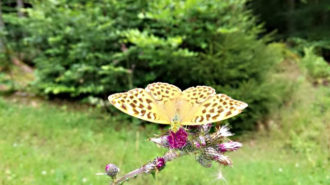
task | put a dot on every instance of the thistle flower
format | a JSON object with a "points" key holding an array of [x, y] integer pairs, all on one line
{"points": [[160, 163], [210, 153], [218, 135], [111, 170], [224, 131], [206, 128], [229, 146], [208, 146], [197, 144], [202, 140], [213, 154], [222, 159], [177, 140]]}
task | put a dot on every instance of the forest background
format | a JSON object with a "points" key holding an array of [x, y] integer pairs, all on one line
{"points": [[60, 59]]}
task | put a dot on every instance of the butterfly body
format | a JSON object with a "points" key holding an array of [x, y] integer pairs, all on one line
{"points": [[164, 103]]}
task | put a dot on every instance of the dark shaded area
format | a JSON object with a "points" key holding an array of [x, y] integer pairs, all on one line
{"points": [[305, 19]]}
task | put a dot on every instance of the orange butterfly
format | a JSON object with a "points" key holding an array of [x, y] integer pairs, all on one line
{"points": [[164, 103]]}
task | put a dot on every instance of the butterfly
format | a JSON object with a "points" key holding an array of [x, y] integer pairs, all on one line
{"points": [[164, 103]]}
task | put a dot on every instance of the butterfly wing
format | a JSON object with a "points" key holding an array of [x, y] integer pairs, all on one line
{"points": [[215, 108], [165, 95], [191, 100], [152, 104], [160, 102], [138, 103], [163, 92], [198, 95]]}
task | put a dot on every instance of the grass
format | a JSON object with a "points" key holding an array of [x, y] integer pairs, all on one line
{"points": [[46, 144]]}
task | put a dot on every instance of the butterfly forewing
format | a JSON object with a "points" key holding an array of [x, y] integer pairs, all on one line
{"points": [[217, 108], [163, 92], [138, 103], [198, 95]]}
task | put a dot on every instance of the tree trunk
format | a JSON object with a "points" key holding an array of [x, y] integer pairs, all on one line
{"points": [[290, 18], [2, 28], [19, 7]]}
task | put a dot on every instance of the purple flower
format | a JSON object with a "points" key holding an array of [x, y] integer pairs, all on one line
{"points": [[197, 145], [160, 163], [202, 140], [177, 139], [111, 170], [229, 146]]}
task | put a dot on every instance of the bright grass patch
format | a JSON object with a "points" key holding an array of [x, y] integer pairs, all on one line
{"points": [[49, 145]]}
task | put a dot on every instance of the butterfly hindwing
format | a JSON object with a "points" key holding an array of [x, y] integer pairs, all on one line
{"points": [[165, 96], [138, 103], [190, 101]]}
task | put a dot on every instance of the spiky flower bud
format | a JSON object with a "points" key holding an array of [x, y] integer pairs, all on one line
{"points": [[160, 163], [202, 140], [111, 170], [197, 144], [222, 159], [213, 154], [210, 153], [229, 146], [206, 128], [224, 131], [161, 141], [177, 140], [221, 133]]}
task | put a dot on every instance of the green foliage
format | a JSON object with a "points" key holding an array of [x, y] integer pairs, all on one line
{"points": [[304, 124], [12, 33], [317, 68], [309, 56], [98, 48], [35, 139], [76, 48]]}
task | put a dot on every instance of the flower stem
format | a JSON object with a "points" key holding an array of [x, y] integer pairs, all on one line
{"points": [[148, 167]]}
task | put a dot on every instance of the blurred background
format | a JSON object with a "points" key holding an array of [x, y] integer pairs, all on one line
{"points": [[60, 59]]}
